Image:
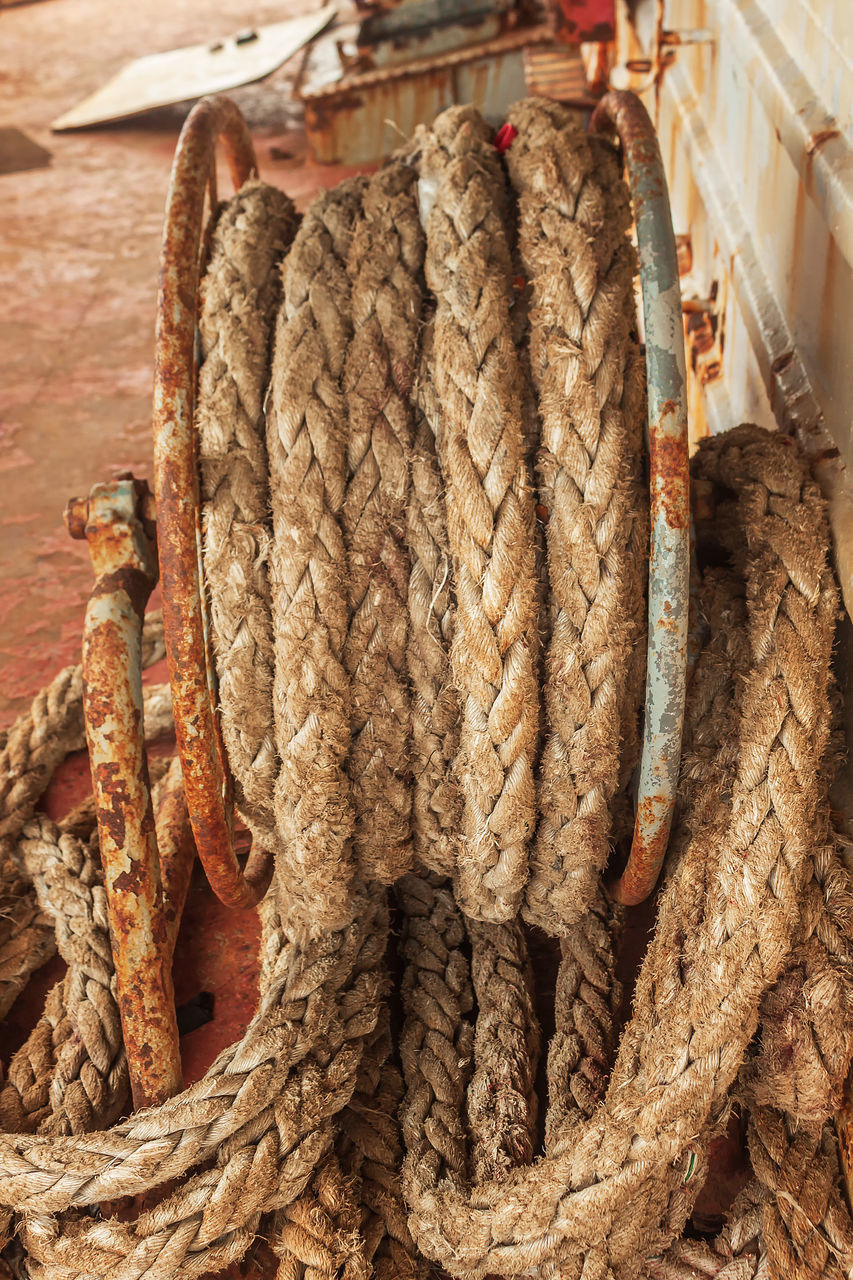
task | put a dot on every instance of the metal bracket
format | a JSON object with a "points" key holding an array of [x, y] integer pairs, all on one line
{"points": [[117, 521], [669, 556], [207, 777]]}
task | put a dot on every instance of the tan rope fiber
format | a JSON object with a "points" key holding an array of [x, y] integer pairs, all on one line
{"points": [[32, 748], [240, 295], [317, 1236], [801, 1055], [70, 1076], [738, 1253], [370, 1147], [602, 1192], [306, 442], [262, 1112], [89, 1081], [385, 264], [805, 1044], [581, 267], [436, 712], [437, 1040], [404, 602], [489, 505], [573, 216], [501, 1096]]}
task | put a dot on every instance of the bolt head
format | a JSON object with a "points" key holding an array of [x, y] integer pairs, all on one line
{"points": [[76, 517]]}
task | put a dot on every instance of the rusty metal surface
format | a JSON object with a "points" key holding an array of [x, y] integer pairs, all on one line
{"points": [[115, 520], [558, 72], [510, 41], [669, 556], [176, 486], [757, 135], [360, 117], [582, 21]]}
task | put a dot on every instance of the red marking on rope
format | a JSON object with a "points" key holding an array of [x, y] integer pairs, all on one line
{"points": [[505, 137]]}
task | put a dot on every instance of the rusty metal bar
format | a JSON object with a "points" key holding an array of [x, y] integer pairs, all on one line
{"points": [[669, 559], [116, 521], [206, 777]]}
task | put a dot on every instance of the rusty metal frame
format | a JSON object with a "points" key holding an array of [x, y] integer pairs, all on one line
{"points": [[669, 557], [206, 776], [117, 522]]}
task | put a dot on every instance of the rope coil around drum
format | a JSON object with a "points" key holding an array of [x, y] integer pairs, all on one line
{"points": [[297, 1121], [656, 1102]]}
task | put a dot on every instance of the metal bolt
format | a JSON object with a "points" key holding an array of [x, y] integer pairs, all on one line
{"points": [[76, 517]]}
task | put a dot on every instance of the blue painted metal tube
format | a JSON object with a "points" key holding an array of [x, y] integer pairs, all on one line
{"points": [[669, 559]]}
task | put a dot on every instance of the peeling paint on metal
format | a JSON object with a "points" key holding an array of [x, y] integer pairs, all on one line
{"points": [[118, 531], [669, 559]]}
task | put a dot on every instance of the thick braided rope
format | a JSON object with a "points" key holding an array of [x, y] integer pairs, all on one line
{"points": [[353, 1217], [51, 1082], [88, 1081], [738, 1253], [263, 1161], [384, 267], [24, 1095], [306, 444], [314, 994], [805, 1043], [501, 1095], [607, 1184], [805, 1220], [802, 1053], [30, 751], [240, 292], [581, 268], [437, 1040], [436, 712], [585, 193], [239, 296], [369, 1147], [323, 1233], [26, 937], [489, 505], [36, 743], [317, 1237], [498, 1103], [587, 1001]]}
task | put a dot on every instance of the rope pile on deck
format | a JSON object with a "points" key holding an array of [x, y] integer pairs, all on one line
{"points": [[425, 533]]}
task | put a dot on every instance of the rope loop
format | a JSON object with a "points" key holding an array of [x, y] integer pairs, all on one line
{"points": [[424, 539]]}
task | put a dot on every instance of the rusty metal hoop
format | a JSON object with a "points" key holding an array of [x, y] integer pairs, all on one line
{"points": [[669, 555], [206, 775]]}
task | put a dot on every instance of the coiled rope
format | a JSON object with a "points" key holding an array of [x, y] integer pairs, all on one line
{"points": [[368, 421]]}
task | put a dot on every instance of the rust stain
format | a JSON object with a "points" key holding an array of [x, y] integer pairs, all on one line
{"points": [[206, 779], [820, 138], [668, 458], [114, 524], [641, 874]]}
